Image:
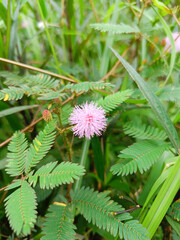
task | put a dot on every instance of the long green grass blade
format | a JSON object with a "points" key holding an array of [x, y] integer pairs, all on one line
{"points": [[163, 200], [15, 110], [154, 102]]}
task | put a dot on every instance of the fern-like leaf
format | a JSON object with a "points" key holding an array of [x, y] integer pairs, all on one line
{"points": [[174, 211], [28, 84], [16, 183], [112, 101], [99, 209], [144, 132], [21, 209], [51, 175], [86, 86], [170, 93], [40, 146], [58, 223], [115, 28], [40, 80], [66, 111], [11, 93], [141, 155], [51, 95], [17, 154]]}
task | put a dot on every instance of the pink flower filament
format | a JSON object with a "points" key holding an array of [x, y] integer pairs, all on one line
{"points": [[89, 120]]}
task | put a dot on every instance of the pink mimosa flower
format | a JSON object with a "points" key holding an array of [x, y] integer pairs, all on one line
{"points": [[89, 120]]}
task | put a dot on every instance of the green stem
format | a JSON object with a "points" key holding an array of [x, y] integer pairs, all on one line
{"points": [[48, 35], [163, 200], [8, 28], [82, 161]]}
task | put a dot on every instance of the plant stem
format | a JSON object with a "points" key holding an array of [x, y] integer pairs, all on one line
{"points": [[82, 161], [37, 69]]}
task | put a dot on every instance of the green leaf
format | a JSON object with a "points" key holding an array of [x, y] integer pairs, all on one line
{"points": [[3, 163], [17, 154], [11, 93], [21, 209], [115, 28], [16, 183], [140, 155], [174, 224], [51, 175], [163, 200], [154, 102], [98, 157], [40, 146], [170, 93], [58, 223], [99, 209], [174, 210], [142, 131], [162, 6], [86, 86], [15, 110], [153, 192], [112, 101], [3, 13]]}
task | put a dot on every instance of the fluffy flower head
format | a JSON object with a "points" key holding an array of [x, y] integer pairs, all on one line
{"points": [[89, 120]]}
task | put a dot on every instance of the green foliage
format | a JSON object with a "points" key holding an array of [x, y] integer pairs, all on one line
{"points": [[61, 40], [86, 86], [174, 210], [174, 224], [66, 111], [49, 95], [21, 209], [51, 175], [16, 183], [115, 28], [27, 84], [112, 101], [40, 146], [21, 204], [11, 93], [58, 223], [17, 154], [98, 208], [15, 110], [170, 93], [144, 132], [141, 155], [40, 80]]}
